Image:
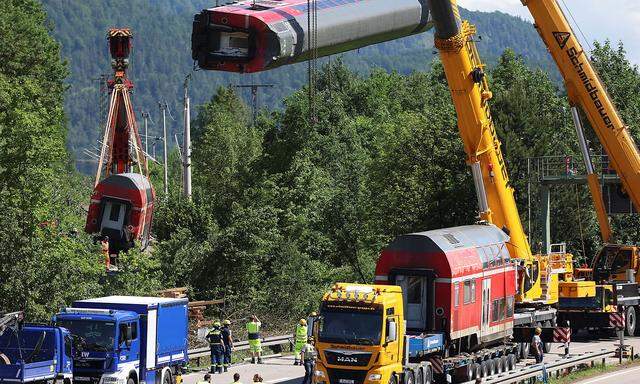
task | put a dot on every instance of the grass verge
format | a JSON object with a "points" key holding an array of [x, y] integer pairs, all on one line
{"points": [[591, 372]]}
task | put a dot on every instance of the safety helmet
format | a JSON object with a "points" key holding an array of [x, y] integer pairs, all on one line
{"points": [[216, 323], [303, 322], [226, 322], [314, 314], [538, 331]]}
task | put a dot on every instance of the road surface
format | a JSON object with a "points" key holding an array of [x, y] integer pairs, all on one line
{"points": [[276, 370], [282, 371], [625, 376]]}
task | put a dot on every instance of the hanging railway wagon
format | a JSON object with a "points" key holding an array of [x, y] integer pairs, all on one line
{"points": [[457, 281], [254, 36], [122, 209]]}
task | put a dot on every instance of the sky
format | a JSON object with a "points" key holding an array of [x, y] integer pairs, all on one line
{"points": [[599, 20]]}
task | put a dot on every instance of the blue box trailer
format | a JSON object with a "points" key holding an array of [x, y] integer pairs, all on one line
{"points": [[128, 339], [36, 353]]}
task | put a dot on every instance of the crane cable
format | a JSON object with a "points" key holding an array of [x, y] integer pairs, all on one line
{"points": [[577, 26], [312, 63]]}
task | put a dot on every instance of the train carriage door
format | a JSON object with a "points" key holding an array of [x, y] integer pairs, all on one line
{"points": [[414, 289], [486, 305], [113, 218]]}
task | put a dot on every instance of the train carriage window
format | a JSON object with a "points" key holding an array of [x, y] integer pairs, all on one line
{"points": [[114, 214], [510, 301], [497, 255], [473, 291], [491, 256], [456, 294], [495, 311], [504, 252], [469, 291], [414, 290]]}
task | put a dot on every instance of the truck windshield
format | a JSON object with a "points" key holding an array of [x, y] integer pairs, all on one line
{"points": [[351, 327], [91, 335]]}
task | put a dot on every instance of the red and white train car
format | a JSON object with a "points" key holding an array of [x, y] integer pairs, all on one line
{"points": [[458, 281], [258, 35], [122, 209]]}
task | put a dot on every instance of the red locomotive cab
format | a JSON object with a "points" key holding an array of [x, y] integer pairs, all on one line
{"points": [[458, 281], [122, 209]]}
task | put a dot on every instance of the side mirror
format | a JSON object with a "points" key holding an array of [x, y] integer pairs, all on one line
{"points": [[392, 332]]}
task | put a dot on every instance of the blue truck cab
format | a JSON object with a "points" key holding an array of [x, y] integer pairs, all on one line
{"points": [[127, 339], [36, 354]]}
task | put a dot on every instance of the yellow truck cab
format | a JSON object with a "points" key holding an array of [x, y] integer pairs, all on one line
{"points": [[359, 336]]}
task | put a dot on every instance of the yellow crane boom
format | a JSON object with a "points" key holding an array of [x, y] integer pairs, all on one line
{"points": [[470, 92], [538, 275], [586, 90]]}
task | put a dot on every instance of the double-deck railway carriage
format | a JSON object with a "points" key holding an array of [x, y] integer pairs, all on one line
{"points": [[458, 281]]}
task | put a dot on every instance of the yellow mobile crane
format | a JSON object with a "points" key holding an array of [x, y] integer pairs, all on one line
{"points": [[618, 264], [539, 275]]}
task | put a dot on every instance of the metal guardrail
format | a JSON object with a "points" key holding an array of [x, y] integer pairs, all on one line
{"points": [[198, 353], [519, 375]]}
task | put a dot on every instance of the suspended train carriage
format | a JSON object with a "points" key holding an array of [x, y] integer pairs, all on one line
{"points": [[254, 36]]}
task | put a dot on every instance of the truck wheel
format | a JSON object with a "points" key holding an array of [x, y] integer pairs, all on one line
{"points": [[409, 378], [477, 371], [630, 321], [505, 363], [485, 368], [419, 376], [464, 373], [493, 369], [392, 380], [498, 364], [428, 375], [131, 380], [167, 378]]}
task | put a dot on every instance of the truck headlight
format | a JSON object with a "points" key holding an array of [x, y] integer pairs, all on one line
{"points": [[319, 374], [375, 377]]}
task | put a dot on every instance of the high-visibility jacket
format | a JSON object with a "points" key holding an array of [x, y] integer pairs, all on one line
{"points": [[309, 352], [253, 329], [215, 336], [301, 333]]}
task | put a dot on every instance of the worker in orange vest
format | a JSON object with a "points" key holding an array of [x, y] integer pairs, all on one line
{"points": [[104, 243]]}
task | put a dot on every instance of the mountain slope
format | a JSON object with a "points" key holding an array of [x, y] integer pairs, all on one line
{"points": [[161, 57]]}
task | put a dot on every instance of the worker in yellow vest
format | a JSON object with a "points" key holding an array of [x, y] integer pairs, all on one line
{"points": [[308, 360], [255, 347], [301, 340]]}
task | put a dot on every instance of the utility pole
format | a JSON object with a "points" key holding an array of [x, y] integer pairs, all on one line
{"points": [[254, 96], [145, 116], [186, 150], [163, 108]]}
